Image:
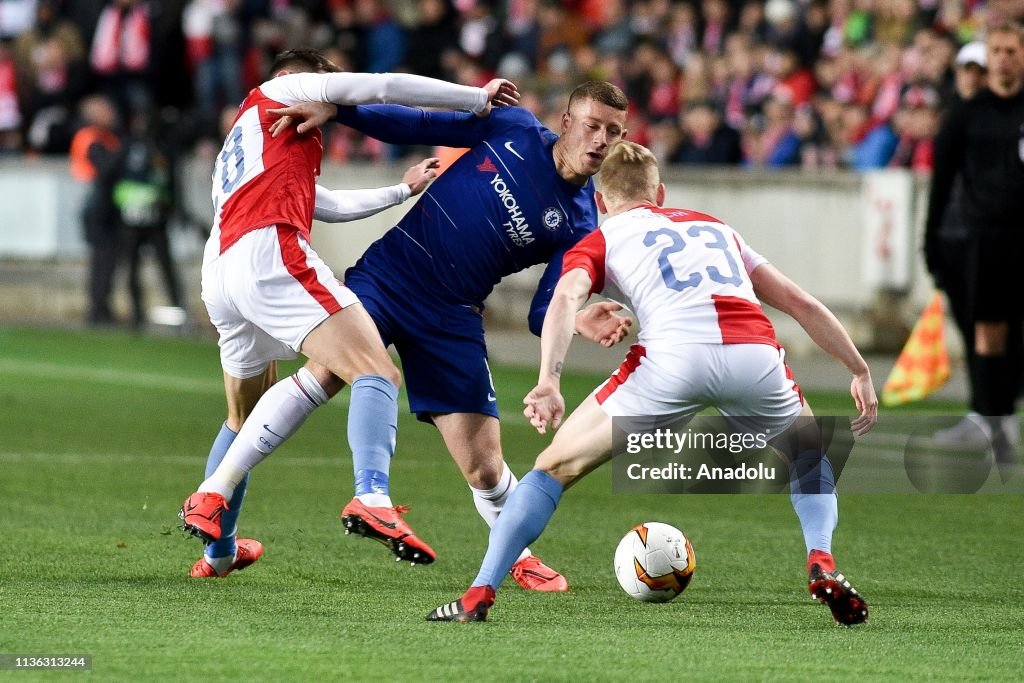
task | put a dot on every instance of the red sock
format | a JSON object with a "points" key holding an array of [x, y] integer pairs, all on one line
{"points": [[476, 595], [822, 559]]}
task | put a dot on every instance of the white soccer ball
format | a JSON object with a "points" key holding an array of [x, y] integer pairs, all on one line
{"points": [[654, 562]]}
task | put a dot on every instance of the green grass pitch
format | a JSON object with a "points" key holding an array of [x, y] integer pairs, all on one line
{"points": [[104, 434]]}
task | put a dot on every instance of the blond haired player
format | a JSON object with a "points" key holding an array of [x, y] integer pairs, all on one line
{"points": [[695, 286]]}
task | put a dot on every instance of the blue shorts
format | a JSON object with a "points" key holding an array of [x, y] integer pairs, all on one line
{"points": [[441, 346]]}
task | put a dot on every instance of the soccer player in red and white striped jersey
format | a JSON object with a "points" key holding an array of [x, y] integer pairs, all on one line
{"points": [[270, 296], [694, 285]]}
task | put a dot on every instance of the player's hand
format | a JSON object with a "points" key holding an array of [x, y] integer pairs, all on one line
{"points": [[544, 404], [500, 93], [420, 175], [863, 392], [599, 323], [310, 115]]}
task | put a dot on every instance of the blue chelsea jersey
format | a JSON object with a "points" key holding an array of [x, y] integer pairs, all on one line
{"points": [[498, 209]]}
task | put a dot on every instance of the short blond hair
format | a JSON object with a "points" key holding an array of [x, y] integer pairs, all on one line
{"points": [[629, 172]]}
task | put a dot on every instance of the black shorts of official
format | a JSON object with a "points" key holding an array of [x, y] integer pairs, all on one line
{"points": [[996, 275]]}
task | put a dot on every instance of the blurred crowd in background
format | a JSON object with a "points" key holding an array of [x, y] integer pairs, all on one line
{"points": [[762, 83]]}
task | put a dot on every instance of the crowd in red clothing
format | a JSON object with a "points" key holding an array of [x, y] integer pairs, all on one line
{"points": [[762, 83]]}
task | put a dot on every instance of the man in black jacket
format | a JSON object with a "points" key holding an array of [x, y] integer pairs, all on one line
{"points": [[983, 141]]}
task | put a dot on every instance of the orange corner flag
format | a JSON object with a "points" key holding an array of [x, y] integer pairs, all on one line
{"points": [[923, 365]]}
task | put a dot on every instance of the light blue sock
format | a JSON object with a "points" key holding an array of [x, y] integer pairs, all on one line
{"points": [[372, 429], [813, 494], [225, 546], [522, 520]]}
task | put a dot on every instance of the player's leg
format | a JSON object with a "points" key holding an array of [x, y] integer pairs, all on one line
{"points": [[997, 337], [812, 485], [815, 500], [258, 324], [757, 394], [372, 427], [221, 557], [349, 344], [278, 414], [474, 441], [582, 443]]}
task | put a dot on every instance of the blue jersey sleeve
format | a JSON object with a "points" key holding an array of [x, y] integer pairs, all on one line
{"points": [[398, 125], [546, 287]]}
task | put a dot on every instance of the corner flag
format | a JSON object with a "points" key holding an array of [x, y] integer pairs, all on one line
{"points": [[923, 364]]}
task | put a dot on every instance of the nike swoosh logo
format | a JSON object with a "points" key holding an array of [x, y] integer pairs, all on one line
{"points": [[491, 397], [389, 525], [267, 427], [508, 146]]}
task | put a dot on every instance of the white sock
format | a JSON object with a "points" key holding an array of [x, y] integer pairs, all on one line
{"points": [[490, 501], [376, 500], [277, 415], [221, 564]]}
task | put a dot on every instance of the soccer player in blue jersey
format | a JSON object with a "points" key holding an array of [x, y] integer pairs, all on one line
{"points": [[522, 195]]}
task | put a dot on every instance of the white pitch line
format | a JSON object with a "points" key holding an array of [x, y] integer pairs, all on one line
{"points": [[73, 459], [121, 377], [118, 376]]}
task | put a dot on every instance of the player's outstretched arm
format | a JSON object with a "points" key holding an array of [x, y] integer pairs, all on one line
{"points": [[544, 403], [778, 291], [313, 109], [339, 206]]}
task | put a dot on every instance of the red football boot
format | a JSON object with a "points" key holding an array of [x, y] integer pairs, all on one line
{"points": [[472, 606], [829, 587], [249, 550], [385, 524], [200, 514], [534, 575]]}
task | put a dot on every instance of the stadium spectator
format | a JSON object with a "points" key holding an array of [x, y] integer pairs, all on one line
{"points": [[731, 52], [94, 156], [480, 33], [873, 142], [121, 52], [558, 33], [616, 36], [214, 47], [49, 25], [681, 33], [433, 32], [383, 37], [915, 125], [715, 15], [707, 140], [983, 142], [772, 142], [10, 106], [52, 76]]}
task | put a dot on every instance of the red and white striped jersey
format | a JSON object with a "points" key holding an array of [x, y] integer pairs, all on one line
{"points": [[259, 180], [686, 275]]}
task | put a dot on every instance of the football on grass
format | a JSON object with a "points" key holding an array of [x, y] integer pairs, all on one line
{"points": [[654, 562]]}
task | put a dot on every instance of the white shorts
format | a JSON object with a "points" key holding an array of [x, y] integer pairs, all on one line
{"points": [[265, 294], [749, 384]]}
